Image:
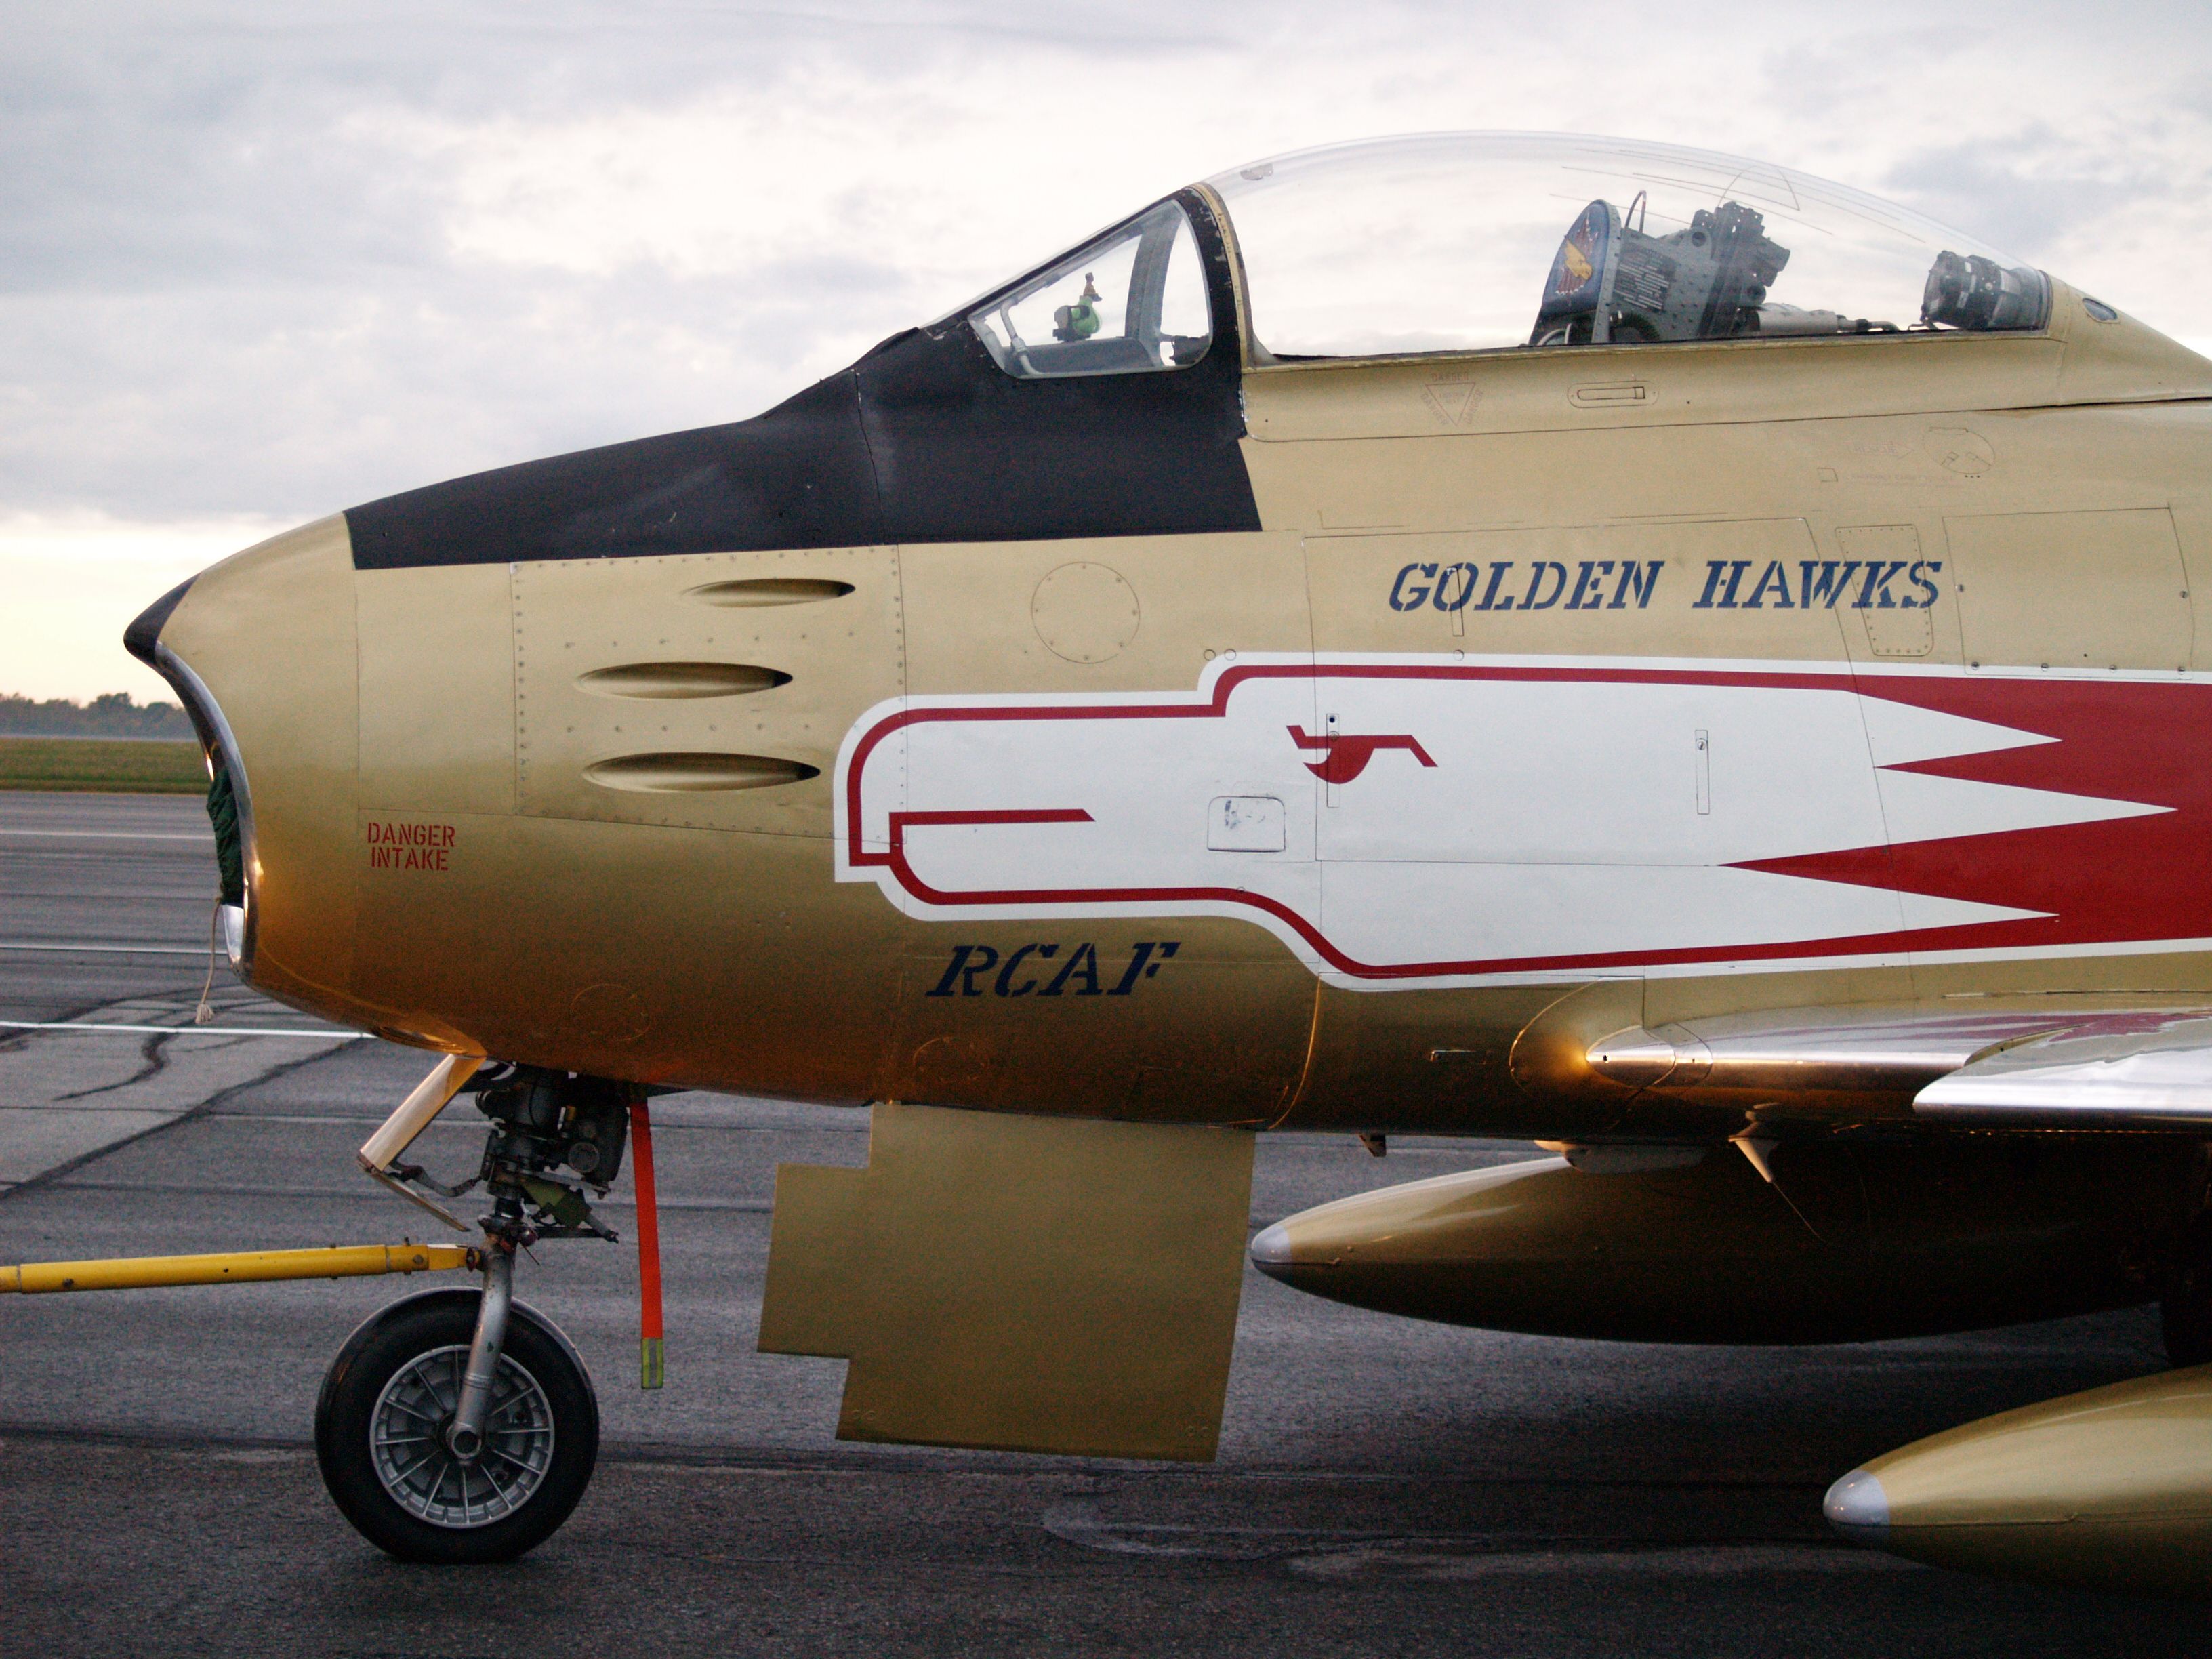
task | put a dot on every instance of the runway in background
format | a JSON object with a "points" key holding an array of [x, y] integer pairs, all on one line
{"points": [[1384, 1487]]}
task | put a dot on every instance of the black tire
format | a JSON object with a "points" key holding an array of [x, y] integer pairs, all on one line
{"points": [[543, 1398]]}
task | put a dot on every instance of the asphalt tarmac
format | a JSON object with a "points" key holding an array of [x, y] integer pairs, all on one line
{"points": [[1384, 1487]]}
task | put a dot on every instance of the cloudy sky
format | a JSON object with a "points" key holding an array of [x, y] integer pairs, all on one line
{"points": [[260, 262]]}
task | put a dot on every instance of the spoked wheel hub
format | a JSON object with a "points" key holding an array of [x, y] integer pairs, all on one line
{"points": [[449, 1478], [391, 1449]]}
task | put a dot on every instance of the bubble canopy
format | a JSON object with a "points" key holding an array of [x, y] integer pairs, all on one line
{"points": [[1457, 242]]}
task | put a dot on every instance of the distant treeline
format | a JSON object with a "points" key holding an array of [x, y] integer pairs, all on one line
{"points": [[113, 715]]}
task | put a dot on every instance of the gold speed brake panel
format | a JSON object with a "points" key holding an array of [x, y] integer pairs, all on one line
{"points": [[1022, 1284]]}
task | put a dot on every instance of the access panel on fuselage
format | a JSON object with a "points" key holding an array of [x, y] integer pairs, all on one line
{"points": [[2071, 590]]}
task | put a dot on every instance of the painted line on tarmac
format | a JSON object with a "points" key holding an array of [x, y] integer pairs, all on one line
{"points": [[115, 949], [372, 1194], [1395, 1562], [182, 1030], [113, 835], [1331, 1554]]}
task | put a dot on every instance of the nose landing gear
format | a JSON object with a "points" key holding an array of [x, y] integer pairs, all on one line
{"points": [[457, 1427], [410, 1478]]}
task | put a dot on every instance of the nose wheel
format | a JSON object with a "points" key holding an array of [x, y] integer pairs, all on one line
{"points": [[458, 1426], [405, 1465]]}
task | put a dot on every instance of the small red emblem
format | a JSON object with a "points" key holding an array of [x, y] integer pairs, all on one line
{"points": [[1344, 757]]}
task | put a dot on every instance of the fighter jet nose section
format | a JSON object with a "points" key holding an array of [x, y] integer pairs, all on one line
{"points": [[142, 638], [1858, 1508], [260, 650]]}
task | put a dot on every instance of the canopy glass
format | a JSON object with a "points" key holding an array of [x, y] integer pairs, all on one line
{"points": [[1455, 242]]}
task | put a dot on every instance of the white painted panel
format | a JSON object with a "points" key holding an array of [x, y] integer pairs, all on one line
{"points": [[1508, 818], [1599, 772], [1245, 823]]}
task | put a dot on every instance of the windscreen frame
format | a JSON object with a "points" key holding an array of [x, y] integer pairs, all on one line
{"points": [[1223, 300]]}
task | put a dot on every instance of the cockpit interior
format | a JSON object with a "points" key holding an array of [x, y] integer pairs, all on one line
{"points": [[1616, 282], [1437, 244]]}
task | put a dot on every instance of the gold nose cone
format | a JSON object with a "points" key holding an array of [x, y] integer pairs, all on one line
{"points": [[2111, 1488]]}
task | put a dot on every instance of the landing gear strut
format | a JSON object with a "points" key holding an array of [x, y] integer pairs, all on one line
{"points": [[460, 1427]]}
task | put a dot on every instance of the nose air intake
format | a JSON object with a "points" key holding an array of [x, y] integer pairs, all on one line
{"points": [[144, 633], [229, 809]]}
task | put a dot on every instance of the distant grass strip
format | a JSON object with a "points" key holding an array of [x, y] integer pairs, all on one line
{"points": [[152, 766]]}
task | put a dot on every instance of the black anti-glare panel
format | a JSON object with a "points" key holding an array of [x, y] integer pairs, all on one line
{"points": [[964, 453], [924, 439], [796, 477]]}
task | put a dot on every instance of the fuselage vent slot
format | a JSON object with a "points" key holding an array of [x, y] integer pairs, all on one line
{"points": [[693, 773], [681, 679], [768, 590]]}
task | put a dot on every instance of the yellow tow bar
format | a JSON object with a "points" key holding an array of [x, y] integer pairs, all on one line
{"points": [[235, 1267]]}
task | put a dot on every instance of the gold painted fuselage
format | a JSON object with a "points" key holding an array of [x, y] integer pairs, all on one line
{"points": [[443, 851], [1766, 766]]}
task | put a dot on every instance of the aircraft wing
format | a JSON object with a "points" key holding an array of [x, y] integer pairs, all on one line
{"points": [[2008, 1064], [2115, 1071]]}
